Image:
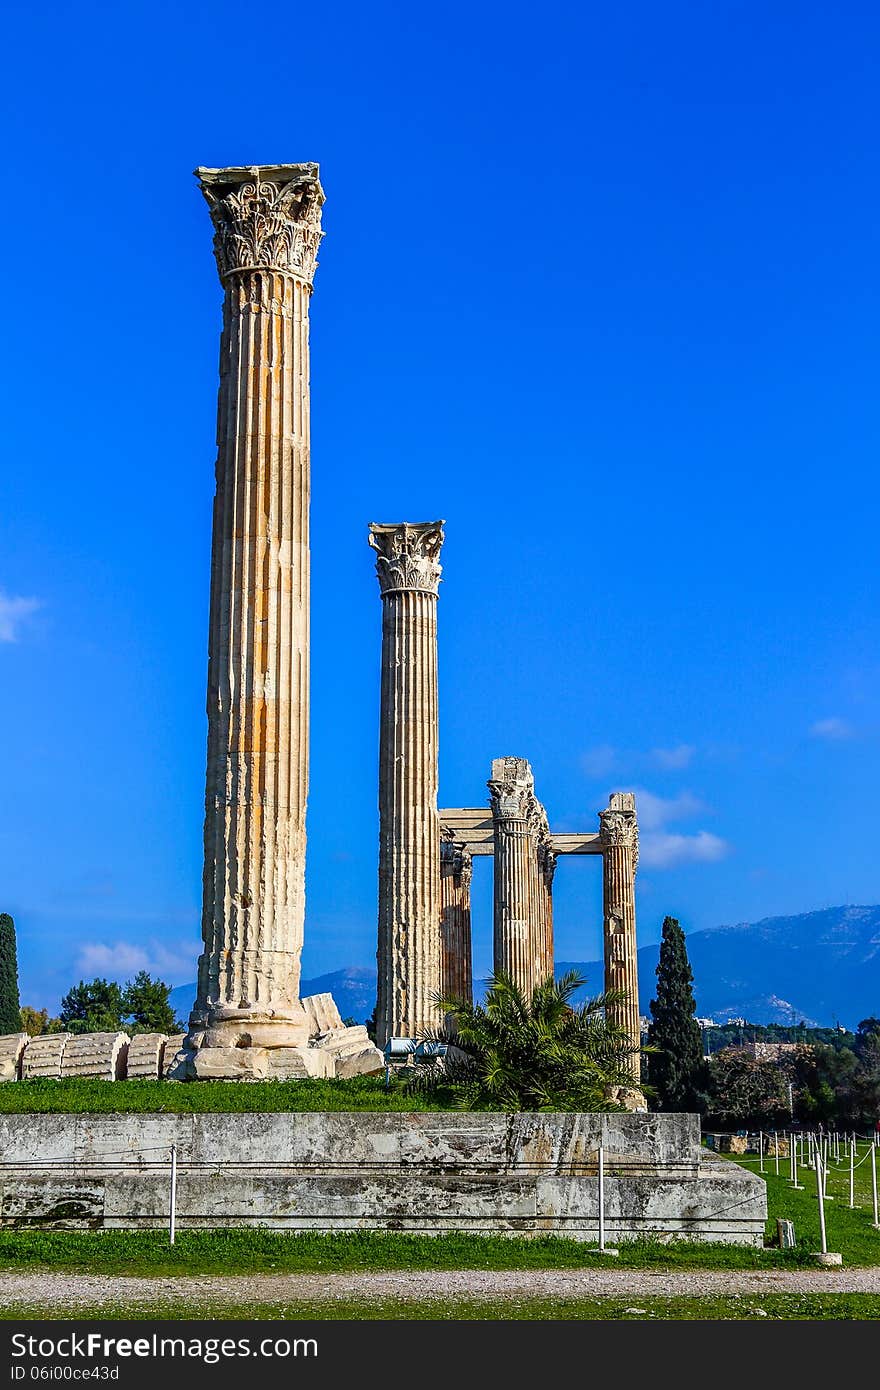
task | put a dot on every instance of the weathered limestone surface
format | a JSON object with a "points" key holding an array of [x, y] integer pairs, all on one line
{"points": [[145, 1052], [323, 1014], [101, 1055], [620, 857], [407, 563], [525, 1174], [43, 1055], [12, 1045], [267, 223], [456, 965]]}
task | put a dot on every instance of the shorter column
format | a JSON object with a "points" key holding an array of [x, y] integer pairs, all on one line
{"points": [[456, 867], [511, 793], [620, 856]]}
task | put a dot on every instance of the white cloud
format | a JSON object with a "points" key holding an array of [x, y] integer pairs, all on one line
{"points": [[12, 612], [125, 958], [833, 728], [677, 757], [656, 811], [662, 850], [598, 761]]}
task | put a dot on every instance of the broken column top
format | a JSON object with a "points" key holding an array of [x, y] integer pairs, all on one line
{"points": [[407, 555], [266, 217]]}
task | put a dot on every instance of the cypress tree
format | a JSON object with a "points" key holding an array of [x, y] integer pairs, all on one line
{"points": [[10, 1017], [677, 1069]]}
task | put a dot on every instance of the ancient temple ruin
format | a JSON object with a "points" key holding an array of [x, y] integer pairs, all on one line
{"points": [[426, 855]]}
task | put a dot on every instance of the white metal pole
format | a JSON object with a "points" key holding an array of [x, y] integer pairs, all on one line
{"points": [[776, 1150], [874, 1184], [761, 1149], [601, 1198], [172, 1216], [852, 1172], [820, 1186]]}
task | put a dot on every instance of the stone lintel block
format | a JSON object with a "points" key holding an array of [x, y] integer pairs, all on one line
{"points": [[145, 1056], [298, 1063], [366, 1062], [102, 1055], [228, 1064], [43, 1055], [12, 1045]]}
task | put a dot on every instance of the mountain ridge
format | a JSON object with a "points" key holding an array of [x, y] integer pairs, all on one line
{"points": [[821, 966]]}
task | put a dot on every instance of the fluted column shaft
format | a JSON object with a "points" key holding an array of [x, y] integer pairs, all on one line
{"points": [[515, 872], [456, 970], [619, 830], [258, 672], [408, 954]]}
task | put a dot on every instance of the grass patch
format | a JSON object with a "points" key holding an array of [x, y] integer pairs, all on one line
{"points": [[849, 1231], [94, 1097], [838, 1307], [148, 1253]]}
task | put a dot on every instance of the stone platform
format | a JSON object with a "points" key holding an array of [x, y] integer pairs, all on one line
{"points": [[429, 1173]]}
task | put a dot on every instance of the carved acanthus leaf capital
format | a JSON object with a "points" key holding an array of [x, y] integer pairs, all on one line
{"points": [[266, 217], [455, 858], [407, 556], [618, 824]]}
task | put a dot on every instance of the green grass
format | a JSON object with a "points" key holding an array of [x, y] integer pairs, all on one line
{"points": [[770, 1307], [148, 1253], [93, 1097], [849, 1231]]}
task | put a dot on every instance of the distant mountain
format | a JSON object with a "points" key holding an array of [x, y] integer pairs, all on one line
{"points": [[353, 989], [823, 967]]}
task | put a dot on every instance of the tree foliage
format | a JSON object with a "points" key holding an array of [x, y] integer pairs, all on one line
{"points": [[746, 1092], [516, 1053], [100, 1006], [146, 1008], [677, 1069], [9, 1000]]}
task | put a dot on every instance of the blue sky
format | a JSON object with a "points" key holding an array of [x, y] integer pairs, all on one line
{"points": [[600, 288]]}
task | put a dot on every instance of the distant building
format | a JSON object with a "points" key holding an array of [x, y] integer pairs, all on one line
{"points": [[772, 1051]]}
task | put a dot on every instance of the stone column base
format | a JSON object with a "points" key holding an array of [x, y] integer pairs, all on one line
{"points": [[344, 1053]]}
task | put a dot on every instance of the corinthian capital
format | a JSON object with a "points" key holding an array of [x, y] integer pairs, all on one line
{"points": [[618, 824], [511, 789], [407, 556], [266, 217]]}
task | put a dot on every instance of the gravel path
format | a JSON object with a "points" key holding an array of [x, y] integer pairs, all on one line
{"points": [[200, 1291]]}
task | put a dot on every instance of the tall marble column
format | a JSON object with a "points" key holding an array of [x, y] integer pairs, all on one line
{"points": [[407, 563], [267, 225], [619, 832], [512, 797], [456, 969]]}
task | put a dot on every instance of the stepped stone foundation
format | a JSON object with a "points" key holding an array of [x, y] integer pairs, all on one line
{"points": [[431, 1173]]}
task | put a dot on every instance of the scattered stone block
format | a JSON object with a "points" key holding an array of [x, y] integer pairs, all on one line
{"points": [[12, 1045], [323, 1015], [172, 1046], [101, 1055], [43, 1056], [349, 1052], [145, 1056]]}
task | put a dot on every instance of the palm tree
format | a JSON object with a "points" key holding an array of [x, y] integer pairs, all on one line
{"points": [[514, 1053]]}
